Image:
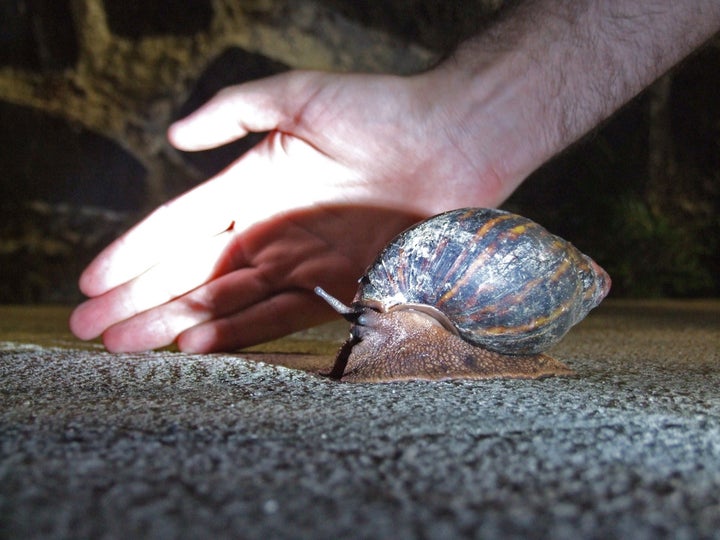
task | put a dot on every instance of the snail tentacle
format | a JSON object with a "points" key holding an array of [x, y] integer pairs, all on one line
{"points": [[349, 313]]}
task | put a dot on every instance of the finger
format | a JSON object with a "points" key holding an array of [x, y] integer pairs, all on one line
{"points": [[171, 229], [277, 316], [203, 212], [231, 293], [262, 105], [259, 185], [172, 278], [161, 326]]}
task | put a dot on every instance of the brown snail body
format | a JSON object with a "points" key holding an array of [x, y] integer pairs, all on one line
{"points": [[471, 293]]}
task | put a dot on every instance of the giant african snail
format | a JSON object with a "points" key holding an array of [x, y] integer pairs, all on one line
{"points": [[471, 293]]}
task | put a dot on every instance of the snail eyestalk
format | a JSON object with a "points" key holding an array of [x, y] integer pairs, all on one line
{"points": [[347, 312]]}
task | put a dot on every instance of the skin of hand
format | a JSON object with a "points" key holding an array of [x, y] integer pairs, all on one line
{"points": [[234, 261], [351, 160]]}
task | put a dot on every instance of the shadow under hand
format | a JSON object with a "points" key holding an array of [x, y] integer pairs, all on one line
{"points": [[263, 283]]}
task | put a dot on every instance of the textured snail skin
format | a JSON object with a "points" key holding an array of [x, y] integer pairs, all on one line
{"points": [[414, 347], [471, 293]]}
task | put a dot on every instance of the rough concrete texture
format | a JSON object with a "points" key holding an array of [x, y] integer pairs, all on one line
{"points": [[169, 445]]}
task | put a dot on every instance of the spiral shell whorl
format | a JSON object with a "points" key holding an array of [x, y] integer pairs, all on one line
{"points": [[505, 282]]}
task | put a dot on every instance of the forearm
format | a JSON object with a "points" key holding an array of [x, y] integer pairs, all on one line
{"points": [[550, 70]]}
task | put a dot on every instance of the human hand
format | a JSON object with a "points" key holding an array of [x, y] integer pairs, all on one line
{"points": [[350, 161]]}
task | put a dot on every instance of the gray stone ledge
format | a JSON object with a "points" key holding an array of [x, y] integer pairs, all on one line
{"points": [[168, 445]]}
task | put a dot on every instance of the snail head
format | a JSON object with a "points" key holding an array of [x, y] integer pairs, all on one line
{"points": [[361, 316], [362, 319]]}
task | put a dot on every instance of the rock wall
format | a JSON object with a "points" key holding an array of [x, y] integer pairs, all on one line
{"points": [[88, 88]]}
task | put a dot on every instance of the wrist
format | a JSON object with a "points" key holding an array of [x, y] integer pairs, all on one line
{"points": [[550, 71], [491, 112]]}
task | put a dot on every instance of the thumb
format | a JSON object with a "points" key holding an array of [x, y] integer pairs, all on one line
{"points": [[261, 105]]}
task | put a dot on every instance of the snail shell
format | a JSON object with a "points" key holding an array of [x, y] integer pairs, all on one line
{"points": [[470, 293]]}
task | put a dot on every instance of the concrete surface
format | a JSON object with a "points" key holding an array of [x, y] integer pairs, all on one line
{"points": [[168, 445]]}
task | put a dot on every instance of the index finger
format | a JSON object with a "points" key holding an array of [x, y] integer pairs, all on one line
{"points": [[200, 213], [204, 211]]}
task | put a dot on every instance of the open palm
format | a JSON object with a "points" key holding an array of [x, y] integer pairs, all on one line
{"points": [[350, 161]]}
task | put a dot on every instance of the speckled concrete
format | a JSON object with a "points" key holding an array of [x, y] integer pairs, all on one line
{"points": [[168, 445]]}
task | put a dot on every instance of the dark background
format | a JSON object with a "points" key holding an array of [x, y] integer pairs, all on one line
{"points": [[640, 194]]}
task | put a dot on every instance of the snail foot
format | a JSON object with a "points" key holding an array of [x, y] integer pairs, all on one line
{"points": [[422, 350]]}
